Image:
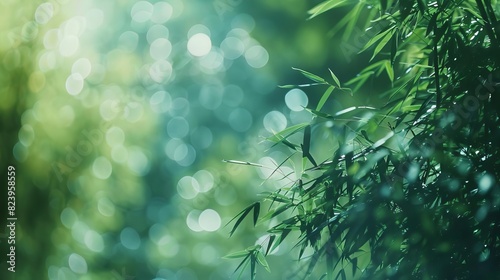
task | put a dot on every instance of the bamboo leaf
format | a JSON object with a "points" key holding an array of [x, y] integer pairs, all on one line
{"points": [[273, 213], [256, 211], [389, 70], [375, 39], [262, 260], [244, 261], [282, 237], [287, 132], [253, 271], [324, 98], [306, 141], [287, 86], [360, 80], [272, 237], [422, 6], [237, 255], [311, 76], [325, 6], [335, 79], [242, 216], [301, 86], [382, 43]]}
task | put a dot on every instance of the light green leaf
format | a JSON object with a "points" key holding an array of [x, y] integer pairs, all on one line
{"points": [[335, 79], [287, 86], [237, 255], [262, 260], [389, 70], [285, 133], [376, 39], [382, 43], [325, 96], [325, 6], [311, 76]]}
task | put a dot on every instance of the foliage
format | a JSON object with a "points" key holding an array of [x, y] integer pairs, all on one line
{"points": [[408, 190]]}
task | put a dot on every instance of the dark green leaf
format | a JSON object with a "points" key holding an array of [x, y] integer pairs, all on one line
{"points": [[256, 211], [242, 216], [270, 243], [422, 6], [354, 263], [253, 268], [244, 261]]}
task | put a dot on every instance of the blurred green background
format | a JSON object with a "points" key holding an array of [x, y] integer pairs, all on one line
{"points": [[117, 116]]}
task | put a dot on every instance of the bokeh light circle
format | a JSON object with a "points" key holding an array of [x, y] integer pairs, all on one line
{"points": [[130, 239], [274, 121], [240, 119], [296, 100], [77, 264], [257, 56], [209, 220], [199, 44], [74, 84]]}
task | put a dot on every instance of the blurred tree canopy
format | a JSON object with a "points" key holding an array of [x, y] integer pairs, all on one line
{"points": [[403, 184], [117, 115]]}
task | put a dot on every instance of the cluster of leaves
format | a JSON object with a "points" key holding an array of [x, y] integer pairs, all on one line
{"points": [[416, 200]]}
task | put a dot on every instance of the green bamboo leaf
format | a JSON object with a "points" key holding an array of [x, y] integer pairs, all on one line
{"points": [[422, 6], [394, 48], [242, 216], [474, 13], [306, 145], [262, 260], [325, 6], [243, 262], [300, 86], [411, 108], [389, 70], [341, 275], [382, 43], [287, 132], [253, 271], [237, 255], [375, 39], [335, 79], [324, 98], [275, 212], [311, 76], [272, 237], [306, 141], [256, 211], [354, 262], [432, 24], [320, 114], [360, 80], [284, 234], [287, 86], [278, 197], [383, 5], [354, 20]]}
